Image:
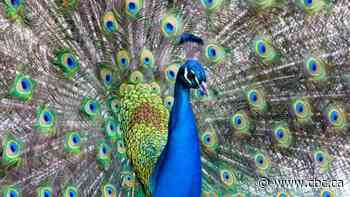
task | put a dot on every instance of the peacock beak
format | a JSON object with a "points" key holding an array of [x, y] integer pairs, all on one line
{"points": [[204, 88]]}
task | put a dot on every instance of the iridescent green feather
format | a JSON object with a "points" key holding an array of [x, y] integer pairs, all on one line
{"points": [[106, 75], [144, 122], [45, 120], [336, 116], [120, 152], [22, 87], [67, 61], [315, 69], [90, 108], [44, 191], [210, 142], [113, 104], [241, 123], [133, 8], [211, 5], [171, 24], [282, 134], [170, 72], [264, 50], [72, 142], [14, 9], [111, 129], [256, 99], [136, 77], [147, 59], [109, 190], [71, 191], [123, 59], [322, 160], [301, 109], [313, 7], [10, 191], [214, 53], [103, 154], [11, 150], [109, 23]]}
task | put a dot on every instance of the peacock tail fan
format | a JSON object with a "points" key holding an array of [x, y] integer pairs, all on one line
{"points": [[86, 90]]}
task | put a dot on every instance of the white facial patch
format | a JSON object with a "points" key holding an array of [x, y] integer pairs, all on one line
{"points": [[186, 77]]}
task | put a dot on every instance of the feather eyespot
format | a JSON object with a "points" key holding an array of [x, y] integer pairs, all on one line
{"points": [[45, 192], [261, 161], [46, 119], [147, 58], [315, 69], [136, 77], [336, 117], [71, 192], [302, 110], [123, 59], [171, 72], [22, 87], [109, 21], [211, 5], [214, 53], [227, 177], [171, 25], [11, 192], [322, 160], [109, 191], [264, 49], [72, 142], [241, 122], [90, 107], [133, 7]]}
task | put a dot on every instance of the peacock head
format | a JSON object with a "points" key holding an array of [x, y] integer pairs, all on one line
{"points": [[192, 75]]}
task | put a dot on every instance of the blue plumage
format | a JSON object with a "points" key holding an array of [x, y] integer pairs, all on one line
{"points": [[188, 37], [178, 172]]}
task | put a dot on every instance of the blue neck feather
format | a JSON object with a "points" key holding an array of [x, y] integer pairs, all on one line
{"points": [[178, 172]]}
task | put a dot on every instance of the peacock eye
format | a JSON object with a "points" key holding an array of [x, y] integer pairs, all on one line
{"points": [[22, 87], [171, 25], [45, 192], [313, 6], [136, 77], [214, 53], [211, 5], [336, 117], [227, 177], [133, 7], [322, 160]]}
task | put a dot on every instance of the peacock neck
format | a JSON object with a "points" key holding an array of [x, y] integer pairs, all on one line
{"points": [[182, 94], [182, 124]]}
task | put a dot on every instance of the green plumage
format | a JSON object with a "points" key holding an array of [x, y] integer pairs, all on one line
{"points": [[144, 123]]}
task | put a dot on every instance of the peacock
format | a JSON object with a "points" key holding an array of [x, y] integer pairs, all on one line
{"points": [[211, 98]]}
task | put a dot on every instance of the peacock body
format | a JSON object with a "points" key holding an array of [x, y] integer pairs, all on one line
{"points": [[89, 104]]}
